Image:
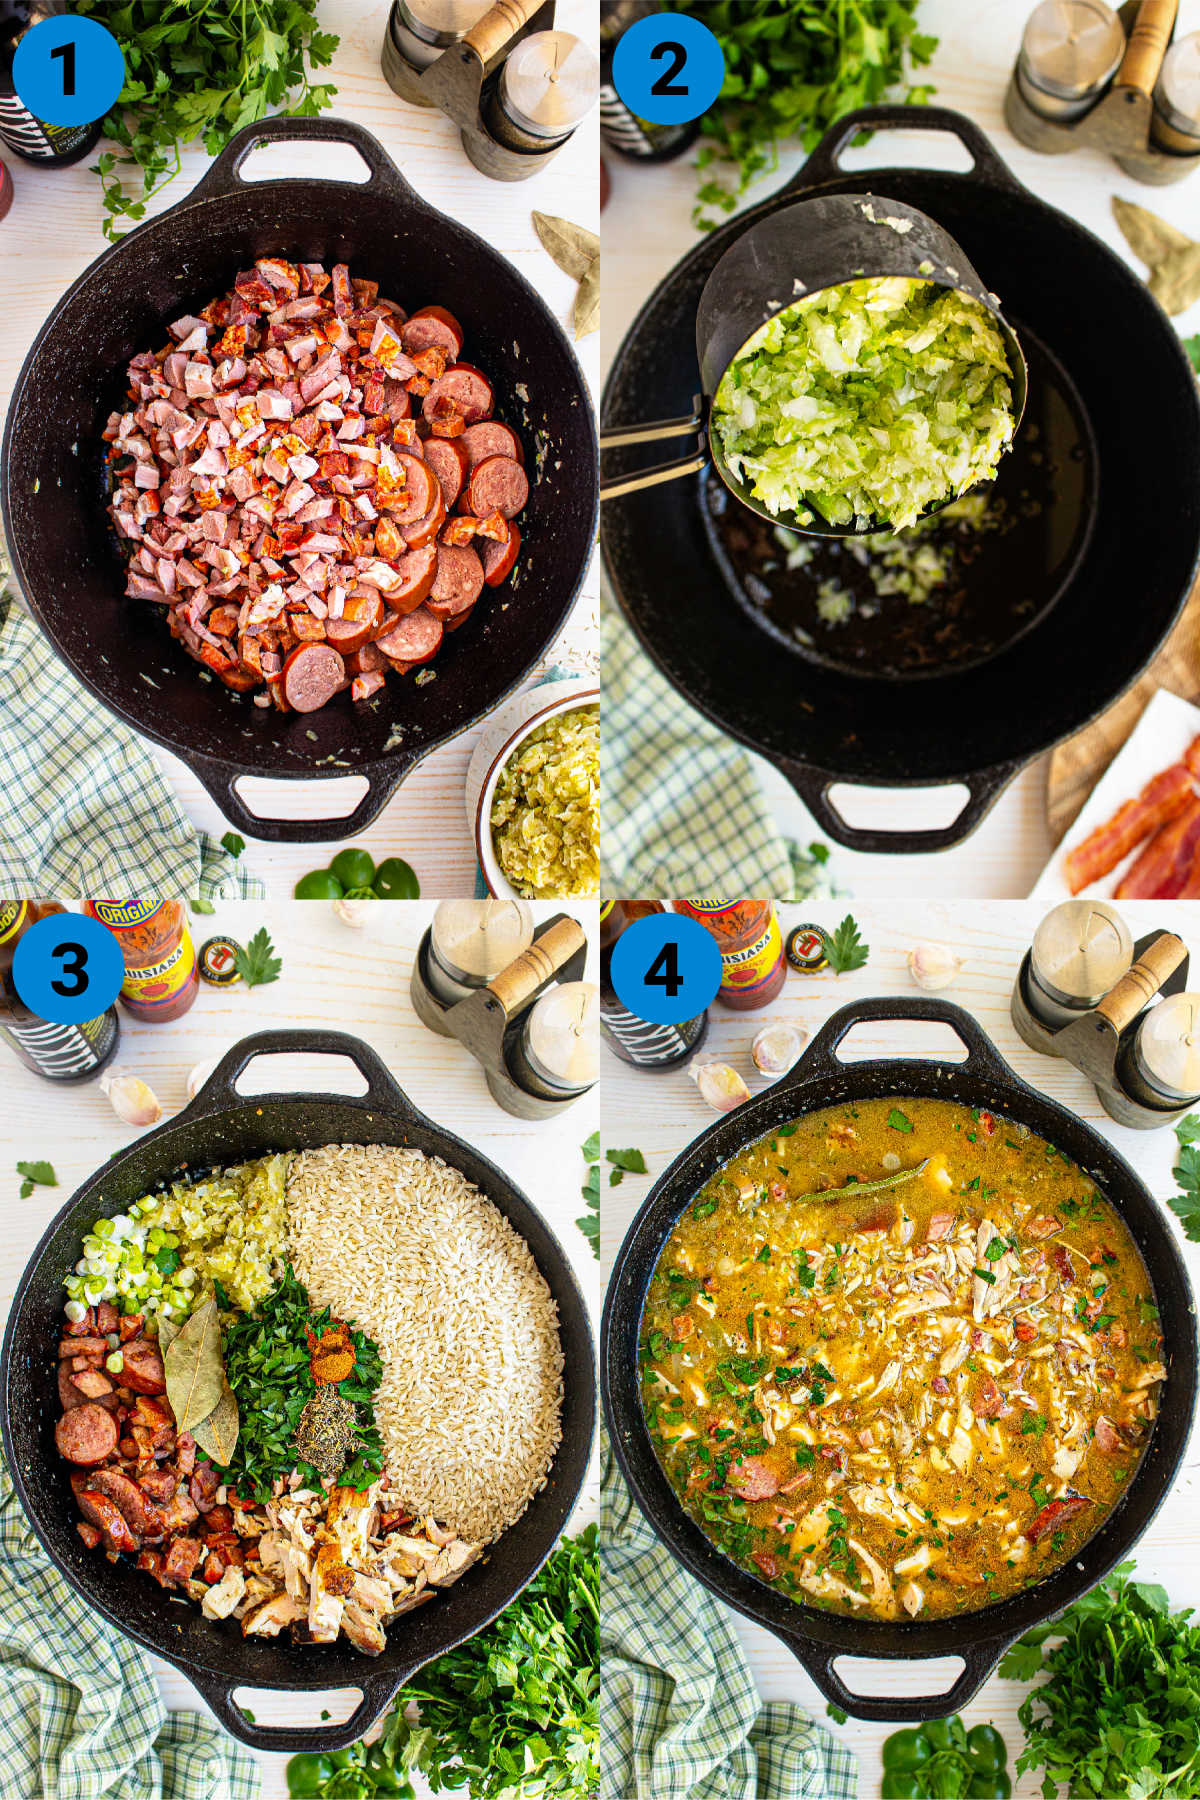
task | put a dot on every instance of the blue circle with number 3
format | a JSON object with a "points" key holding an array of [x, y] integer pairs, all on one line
{"points": [[68, 968], [668, 68], [666, 968], [68, 71]]}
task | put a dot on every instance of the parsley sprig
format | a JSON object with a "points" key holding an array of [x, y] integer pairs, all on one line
{"points": [[1186, 1204], [195, 70], [35, 1174], [589, 1224], [844, 947], [257, 963]]}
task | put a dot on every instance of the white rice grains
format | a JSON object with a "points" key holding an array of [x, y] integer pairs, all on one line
{"points": [[406, 1248]]}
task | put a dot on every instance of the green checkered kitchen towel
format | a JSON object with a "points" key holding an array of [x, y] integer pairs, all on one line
{"points": [[683, 810], [80, 1712], [84, 807], [681, 1718]]}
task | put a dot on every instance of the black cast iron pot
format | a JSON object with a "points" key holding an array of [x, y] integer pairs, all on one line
{"points": [[52, 481], [1058, 285], [219, 1128], [822, 1079]]}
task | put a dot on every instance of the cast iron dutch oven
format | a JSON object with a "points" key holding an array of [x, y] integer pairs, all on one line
{"points": [[218, 1128], [63, 552], [822, 1079], [1059, 285]]}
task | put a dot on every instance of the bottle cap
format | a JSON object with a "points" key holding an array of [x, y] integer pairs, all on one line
{"points": [[218, 961], [806, 949]]}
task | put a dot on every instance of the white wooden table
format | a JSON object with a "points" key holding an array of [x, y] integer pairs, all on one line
{"points": [[53, 233], [662, 1113], [647, 228], [333, 977]]}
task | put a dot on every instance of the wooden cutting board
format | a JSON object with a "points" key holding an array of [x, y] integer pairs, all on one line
{"points": [[1076, 766]]}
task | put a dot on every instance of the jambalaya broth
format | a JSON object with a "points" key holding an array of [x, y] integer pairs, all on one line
{"points": [[909, 1402]]}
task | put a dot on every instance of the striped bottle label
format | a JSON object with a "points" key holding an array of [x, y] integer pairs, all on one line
{"points": [[648, 1046], [63, 1051], [30, 137]]}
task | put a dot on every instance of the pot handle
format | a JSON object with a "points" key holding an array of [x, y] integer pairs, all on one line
{"points": [[378, 1691], [220, 1090], [812, 784], [221, 778], [820, 1060], [979, 1660], [224, 177], [824, 164]]}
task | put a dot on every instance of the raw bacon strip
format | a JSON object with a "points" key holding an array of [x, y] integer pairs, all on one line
{"points": [[1159, 801], [1162, 869]]}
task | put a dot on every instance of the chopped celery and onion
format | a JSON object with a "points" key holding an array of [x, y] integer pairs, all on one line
{"points": [[867, 403]]}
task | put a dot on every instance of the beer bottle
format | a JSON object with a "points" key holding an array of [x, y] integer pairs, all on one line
{"points": [[57, 1052], [51, 146], [634, 1040]]}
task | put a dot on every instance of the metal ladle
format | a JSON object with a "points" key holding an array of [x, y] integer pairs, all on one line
{"points": [[799, 251]]}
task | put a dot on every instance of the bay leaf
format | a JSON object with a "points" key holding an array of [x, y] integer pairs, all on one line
{"points": [[217, 1435], [575, 249], [168, 1331], [194, 1370], [1172, 257], [587, 303]]}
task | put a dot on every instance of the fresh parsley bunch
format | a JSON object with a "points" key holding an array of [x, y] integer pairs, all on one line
{"points": [[512, 1713], [195, 70], [791, 68], [1120, 1710]]}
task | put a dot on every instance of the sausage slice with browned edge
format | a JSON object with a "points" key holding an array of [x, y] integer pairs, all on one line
{"points": [[433, 328], [104, 1513], [498, 559], [462, 390], [497, 484], [362, 616], [420, 490], [413, 639], [142, 1367], [416, 570], [458, 582], [491, 438], [138, 1511], [87, 1435], [450, 462], [312, 675]]}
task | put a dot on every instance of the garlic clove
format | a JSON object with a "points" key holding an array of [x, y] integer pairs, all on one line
{"points": [[131, 1099], [721, 1086], [932, 966], [353, 912], [776, 1048], [200, 1075]]}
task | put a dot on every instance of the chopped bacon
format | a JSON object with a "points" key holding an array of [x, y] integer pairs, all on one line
{"points": [[1056, 1513], [1159, 802], [766, 1562], [1163, 868]]}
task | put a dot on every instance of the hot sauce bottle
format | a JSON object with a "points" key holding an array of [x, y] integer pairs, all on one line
{"points": [[747, 935], [66, 1053], [161, 978]]}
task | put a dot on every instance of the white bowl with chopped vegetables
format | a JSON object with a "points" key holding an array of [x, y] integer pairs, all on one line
{"points": [[532, 793]]}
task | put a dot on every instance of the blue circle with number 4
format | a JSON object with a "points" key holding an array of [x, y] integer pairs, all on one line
{"points": [[666, 968], [68, 71], [68, 968], [668, 68]]}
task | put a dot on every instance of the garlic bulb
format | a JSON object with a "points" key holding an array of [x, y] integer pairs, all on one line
{"points": [[199, 1076], [133, 1102], [932, 966], [776, 1048], [721, 1086], [353, 912]]}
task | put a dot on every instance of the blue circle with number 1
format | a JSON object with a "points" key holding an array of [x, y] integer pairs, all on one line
{"points": [[68, 71], [68, 968], [668, 68], [666, 968]]}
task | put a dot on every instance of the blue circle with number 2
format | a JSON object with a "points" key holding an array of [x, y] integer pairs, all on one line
{"points": [[668, 68], [68, 968], [666, 968], [68, 71]]}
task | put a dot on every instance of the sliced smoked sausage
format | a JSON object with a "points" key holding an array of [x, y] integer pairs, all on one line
{"points": [[497, 484], [458, 582], [420, 490], [100, 1511], [491, 438], [142, 1369], [498, 559], [450, 463], [87, 1435], [139, 1512], [413, 639], [433, 328], [416, 570], [462, 390], [312, 675], [424, 530], [362, 615]]}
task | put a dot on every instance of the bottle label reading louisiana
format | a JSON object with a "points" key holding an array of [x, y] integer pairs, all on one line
{"points": [[158, 983], [748, 967], [63, 1052]]}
